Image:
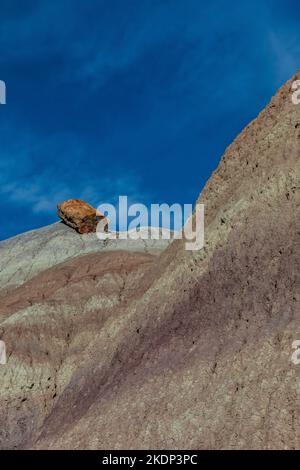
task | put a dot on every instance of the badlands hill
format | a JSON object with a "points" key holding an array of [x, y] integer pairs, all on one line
{"points": [[120, 347]]}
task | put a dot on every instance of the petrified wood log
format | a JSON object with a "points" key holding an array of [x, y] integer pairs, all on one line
{"points": [[81, 216]]}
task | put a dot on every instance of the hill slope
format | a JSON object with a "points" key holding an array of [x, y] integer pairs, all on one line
{"points": [[185, 350]]}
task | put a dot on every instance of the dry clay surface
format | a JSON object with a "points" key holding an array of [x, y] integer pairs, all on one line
{"points": [[182, 350], [26, 255]]}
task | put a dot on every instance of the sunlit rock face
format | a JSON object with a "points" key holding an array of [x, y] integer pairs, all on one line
{"points": [[125, 346]]}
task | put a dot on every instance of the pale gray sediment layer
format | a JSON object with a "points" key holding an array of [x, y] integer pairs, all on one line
{"points": [[25, 255]]}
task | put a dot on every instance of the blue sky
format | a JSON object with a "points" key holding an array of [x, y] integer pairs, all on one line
{"points": [[130, 97]]}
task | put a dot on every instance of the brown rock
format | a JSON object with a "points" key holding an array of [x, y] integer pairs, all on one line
{"points": [[81, 216]]}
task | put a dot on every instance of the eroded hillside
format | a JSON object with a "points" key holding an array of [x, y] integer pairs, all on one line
{"points": [[122, 350]]}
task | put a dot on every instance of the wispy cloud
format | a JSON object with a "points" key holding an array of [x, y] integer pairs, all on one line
{"points": [[40, 181]]}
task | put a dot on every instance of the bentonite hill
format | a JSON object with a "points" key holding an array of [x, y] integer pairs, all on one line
{"points": [[154, 347]]}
